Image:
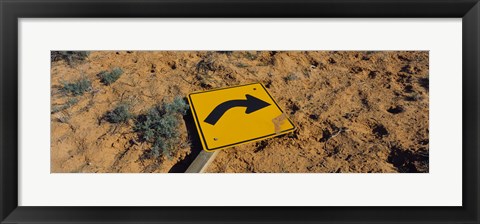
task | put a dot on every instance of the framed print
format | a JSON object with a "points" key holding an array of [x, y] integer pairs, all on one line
{"points": [[246, 112]]}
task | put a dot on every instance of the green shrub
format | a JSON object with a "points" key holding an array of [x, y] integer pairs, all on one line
{"points": [[108, 78], [290, 77], [77, 87], [69, 56], [203, 68], [241, 65], [72, 101], [225, 52], [67, 105], [120, 114], [250, 56], [159, 126]]}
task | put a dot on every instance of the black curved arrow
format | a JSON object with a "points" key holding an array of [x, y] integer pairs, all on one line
{"points": [[251, 103]]}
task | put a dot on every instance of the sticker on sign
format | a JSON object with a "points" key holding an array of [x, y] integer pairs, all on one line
{"points": [[235, 115]]}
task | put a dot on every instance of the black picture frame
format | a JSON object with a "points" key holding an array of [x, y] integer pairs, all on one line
{"points": [[11, 11]]}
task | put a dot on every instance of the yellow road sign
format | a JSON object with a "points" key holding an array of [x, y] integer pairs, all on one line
{"points": [[235, 115]]}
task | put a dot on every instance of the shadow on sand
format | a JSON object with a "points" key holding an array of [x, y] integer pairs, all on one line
{"points": [[195, 145]]}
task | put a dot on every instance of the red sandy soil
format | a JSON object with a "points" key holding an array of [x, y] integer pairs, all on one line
{"points": [[355, 111]]}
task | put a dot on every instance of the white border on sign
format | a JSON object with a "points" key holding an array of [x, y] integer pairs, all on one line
{"points": [[441, 187]]}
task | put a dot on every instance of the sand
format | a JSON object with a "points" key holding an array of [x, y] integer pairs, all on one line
{"points": [[354, 111]]}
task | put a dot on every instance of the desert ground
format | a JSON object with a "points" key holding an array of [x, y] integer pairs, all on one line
{"points": [[126, 111]]}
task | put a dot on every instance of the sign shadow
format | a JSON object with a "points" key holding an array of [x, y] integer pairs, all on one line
{"points": [[195, 145]]}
